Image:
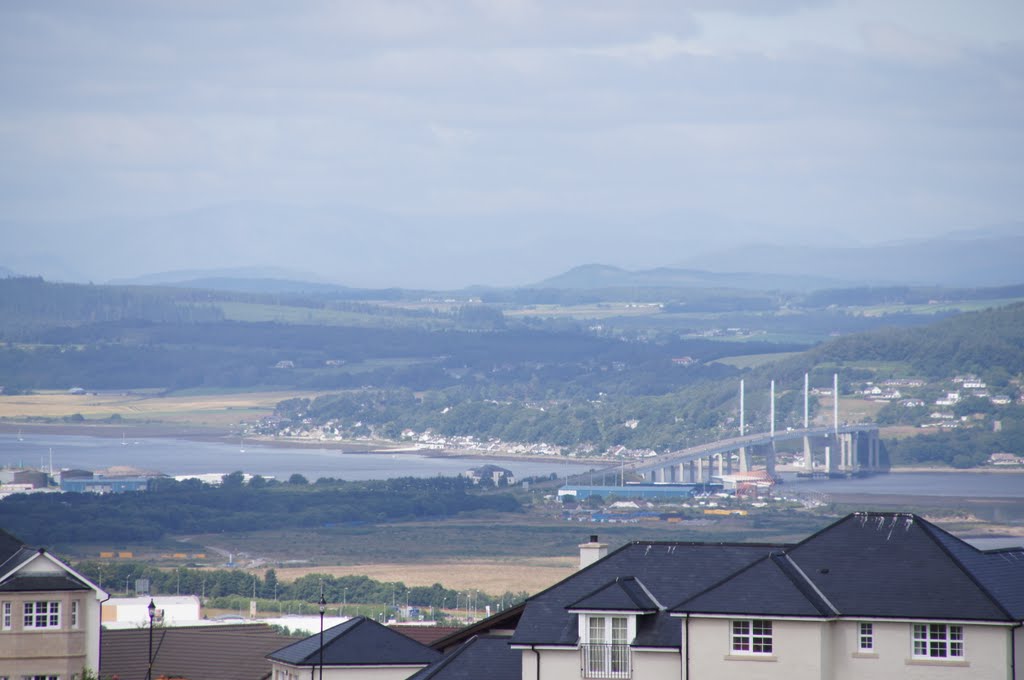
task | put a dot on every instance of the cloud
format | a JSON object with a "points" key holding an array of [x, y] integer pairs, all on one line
{"points": [[511, 112]]}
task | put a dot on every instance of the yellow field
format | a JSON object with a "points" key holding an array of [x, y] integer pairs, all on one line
{"points": [[139, 406], [493, 577]]}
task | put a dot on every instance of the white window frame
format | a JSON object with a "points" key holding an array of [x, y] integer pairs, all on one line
{"points": [[937, 641], [751, 636], [618, 630], [41, 615], [866, 637], [8, 616], [74, 614]]}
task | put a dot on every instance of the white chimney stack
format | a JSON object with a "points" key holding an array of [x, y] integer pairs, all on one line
{"points": [[592, 551]]}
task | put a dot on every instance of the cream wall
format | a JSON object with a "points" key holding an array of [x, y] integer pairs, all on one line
{"points": [[798, 648], [555, 664], [828, 650], [349, 673], [64, 651], [1018, 643], [656, 665], [986, 654]]}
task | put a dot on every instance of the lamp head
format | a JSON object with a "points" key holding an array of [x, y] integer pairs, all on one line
{"points": [[152, 609], [323, 604]]}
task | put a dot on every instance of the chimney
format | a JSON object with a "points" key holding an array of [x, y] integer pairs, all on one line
{"points": [[592, 551]]}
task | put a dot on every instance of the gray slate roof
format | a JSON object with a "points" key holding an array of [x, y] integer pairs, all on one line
{"points": [[875, 565], [479, 658], [624, 594], [357, 642], [672, 572], [40, 583]]}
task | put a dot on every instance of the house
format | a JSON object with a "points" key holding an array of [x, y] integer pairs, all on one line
{"points": [[498, 475], [49, 615], [874, 595], [358, 649]]}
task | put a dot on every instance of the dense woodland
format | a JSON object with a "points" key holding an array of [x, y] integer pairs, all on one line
{"points": [[190, 506]]}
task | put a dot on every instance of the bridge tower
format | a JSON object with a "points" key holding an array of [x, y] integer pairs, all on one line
{"points": [[744, 459], [808, 454]]}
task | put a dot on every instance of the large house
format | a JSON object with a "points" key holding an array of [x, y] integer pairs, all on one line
{"points": [[49, 615], [874, 595]]}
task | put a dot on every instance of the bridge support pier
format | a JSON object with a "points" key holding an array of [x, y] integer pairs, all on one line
{"points": [[744, 459], [808, 455], [769, 458]]}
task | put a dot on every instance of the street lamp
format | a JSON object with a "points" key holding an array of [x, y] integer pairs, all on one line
{"points": [[323, 608], [152, 613]]}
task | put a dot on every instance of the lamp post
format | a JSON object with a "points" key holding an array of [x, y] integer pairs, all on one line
{"points": [[152, 613], [323, 607]]}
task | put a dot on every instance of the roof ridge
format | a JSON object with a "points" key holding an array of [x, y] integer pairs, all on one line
{"points": [[441, 663], [928, 528], [805, 580], [649, 594]]}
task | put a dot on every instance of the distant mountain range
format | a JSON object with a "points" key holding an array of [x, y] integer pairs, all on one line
{"points": [[363, 249], [597, 276], [981, 257]]}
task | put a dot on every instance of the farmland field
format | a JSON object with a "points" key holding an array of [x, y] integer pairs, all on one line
{"points": [[146, 406]]}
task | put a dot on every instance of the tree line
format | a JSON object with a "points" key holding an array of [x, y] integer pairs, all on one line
{"points": [[219, 584], [171, 507]]}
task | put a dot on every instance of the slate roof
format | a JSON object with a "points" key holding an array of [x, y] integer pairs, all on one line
{"points": [[670, 571], [770, 586], [479, 657], [875, 565], [357, 642], [9, 546], [39, 583], [625, 594], [222, 652]]}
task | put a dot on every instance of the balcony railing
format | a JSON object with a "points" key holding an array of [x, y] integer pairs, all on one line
{"points": [[605, 661]]}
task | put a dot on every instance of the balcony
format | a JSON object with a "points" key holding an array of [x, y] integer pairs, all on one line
{"points": [[605, 661]]}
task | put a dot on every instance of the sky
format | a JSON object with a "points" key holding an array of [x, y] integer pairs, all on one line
{"points": [[441, 143]]}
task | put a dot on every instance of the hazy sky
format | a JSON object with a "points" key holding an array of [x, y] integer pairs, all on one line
{"points": [[445, 142]]}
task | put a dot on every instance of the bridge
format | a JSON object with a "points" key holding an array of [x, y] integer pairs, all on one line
{"points": [[834, 450], [849, 449]]}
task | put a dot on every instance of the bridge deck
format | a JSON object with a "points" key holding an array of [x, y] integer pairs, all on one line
{"points": [[726, 445]]}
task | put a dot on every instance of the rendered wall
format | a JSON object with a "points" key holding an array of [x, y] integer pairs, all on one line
{"points": [[350, 673], [810, 650], [797, 652], [986, 654]]}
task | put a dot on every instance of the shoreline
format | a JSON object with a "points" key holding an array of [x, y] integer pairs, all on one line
{"points": [[219, 435]]}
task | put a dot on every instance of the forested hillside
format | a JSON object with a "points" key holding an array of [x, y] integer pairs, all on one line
{"points": [[988, 343]]}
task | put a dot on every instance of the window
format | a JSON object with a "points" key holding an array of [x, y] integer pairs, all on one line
{"points": [[866, 638], [74, 614], [605, 652], [42, 615], [938, 641], [7, 615], [752, 636]]}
